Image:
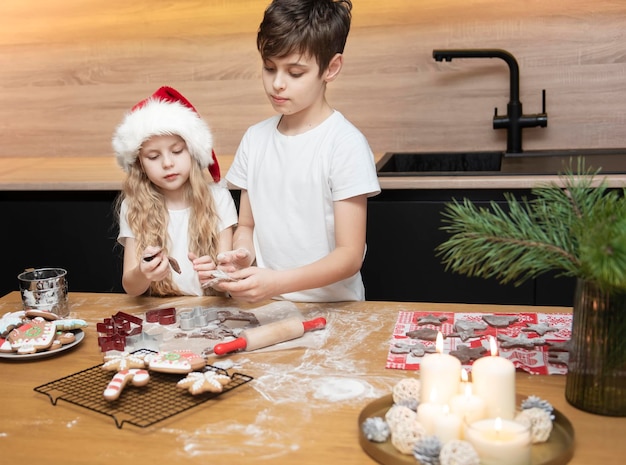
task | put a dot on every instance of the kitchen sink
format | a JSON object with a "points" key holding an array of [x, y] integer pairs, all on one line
{"points": [[531, 162]]}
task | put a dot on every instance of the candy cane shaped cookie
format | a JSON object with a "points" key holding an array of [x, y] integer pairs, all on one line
{"points": [[137, 376]]}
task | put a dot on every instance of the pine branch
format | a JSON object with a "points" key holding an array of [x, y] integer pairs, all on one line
{"points": [[578, 230]]}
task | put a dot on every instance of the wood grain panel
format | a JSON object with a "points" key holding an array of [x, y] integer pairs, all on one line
{"points": [[70, 68]]}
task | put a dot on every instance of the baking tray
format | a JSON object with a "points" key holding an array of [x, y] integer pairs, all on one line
{"points": [[138, 406], [557, 450]]}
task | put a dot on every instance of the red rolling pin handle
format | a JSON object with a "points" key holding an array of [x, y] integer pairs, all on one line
{"points": [[242, 342], [317, 323]]}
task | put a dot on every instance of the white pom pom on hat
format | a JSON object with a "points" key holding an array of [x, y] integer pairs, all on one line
{"points": [[165, 112]]}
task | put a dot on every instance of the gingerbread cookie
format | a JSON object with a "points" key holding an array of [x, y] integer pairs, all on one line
{"points": [[69, 324], [10, 321], [175, 361], [425, 334], [209, 381], [466, 353], [61, 339], [174, 264], [45, 314], [521, 341], [500, 321], [32, 336], [5, 346], [431, 320], [122, 361], [136, 376], [539, 328]]}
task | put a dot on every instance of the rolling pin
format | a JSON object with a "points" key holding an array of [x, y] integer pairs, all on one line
{"points": [[269, 334]]}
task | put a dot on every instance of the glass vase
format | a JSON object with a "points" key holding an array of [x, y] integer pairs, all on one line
{"points": [[596, 378]]}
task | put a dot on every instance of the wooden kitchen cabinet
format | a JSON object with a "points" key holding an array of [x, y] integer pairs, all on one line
{"points": [[76, 230]]}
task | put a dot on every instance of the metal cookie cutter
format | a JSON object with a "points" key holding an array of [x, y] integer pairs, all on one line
{"points": [[197, 318]]}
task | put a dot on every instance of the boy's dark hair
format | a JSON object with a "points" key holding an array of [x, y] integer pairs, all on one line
{"points": [[318, 28]]}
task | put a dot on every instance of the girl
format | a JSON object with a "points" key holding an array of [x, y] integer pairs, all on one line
{"points": [[174, 218]]}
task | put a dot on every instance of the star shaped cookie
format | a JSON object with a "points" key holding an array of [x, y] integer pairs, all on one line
{"points": [[431, 320], [208, 381], [540, 328], [521, 341], [122, 361]]}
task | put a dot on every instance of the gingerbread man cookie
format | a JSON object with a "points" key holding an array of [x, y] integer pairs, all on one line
{"points": [[209, 381], [61, 339]]}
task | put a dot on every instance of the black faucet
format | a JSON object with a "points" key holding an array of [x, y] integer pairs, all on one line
{"points": [[514, 120]]}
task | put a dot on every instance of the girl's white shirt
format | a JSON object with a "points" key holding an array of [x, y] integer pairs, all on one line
{"points": [[178, 230]]}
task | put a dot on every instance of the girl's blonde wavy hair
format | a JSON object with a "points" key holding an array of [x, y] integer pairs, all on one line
{"points": [[148, 218]]}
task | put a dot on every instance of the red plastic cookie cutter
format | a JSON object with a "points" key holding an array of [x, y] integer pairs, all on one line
{"points": [[114, 331], [163, 316]]}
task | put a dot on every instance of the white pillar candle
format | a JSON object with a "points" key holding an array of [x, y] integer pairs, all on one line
{"points": [[493, 380], [499, 442], [428, 412], [447, 426], [468, 406], [439, 373]]}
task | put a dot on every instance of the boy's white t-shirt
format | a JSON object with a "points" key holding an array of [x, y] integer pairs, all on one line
{"points": [[178, 230], [292, 182]]}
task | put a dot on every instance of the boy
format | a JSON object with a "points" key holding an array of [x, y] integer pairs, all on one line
{"points": [[305, 173]]}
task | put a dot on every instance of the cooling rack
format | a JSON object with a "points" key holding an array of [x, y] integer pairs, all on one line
{"points": [[138, 406]]}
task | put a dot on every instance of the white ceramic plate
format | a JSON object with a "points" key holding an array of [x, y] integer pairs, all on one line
{"points": [[80, 335]]}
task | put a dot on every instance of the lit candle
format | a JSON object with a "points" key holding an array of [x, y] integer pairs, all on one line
{"points": [[439, 373], [464, 381], [468, 406], [428, 412], [499, 441], [447, 426], [493, 380]]}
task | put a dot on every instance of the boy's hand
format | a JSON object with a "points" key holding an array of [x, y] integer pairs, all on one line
{"points": [[253, 284], [234, 260]]}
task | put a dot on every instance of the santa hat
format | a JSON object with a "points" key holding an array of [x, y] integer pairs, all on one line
{"points": [[166, 112]]}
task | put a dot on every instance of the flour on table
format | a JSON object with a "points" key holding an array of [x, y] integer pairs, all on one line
{"points": [[338, 389]]}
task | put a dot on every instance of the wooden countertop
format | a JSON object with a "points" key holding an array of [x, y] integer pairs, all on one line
{"points": [[277, 418], [103, 173]]}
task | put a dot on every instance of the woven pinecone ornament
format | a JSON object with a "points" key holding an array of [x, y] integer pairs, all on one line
{"points": [[410, 403], [406, 389], [458, 452], [536, 402], [375, 429], [538, 421], [427, 450]]}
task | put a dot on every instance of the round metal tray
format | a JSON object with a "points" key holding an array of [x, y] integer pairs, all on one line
{"points": [[557, 450]]}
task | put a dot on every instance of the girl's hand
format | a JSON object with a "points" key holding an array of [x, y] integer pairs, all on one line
{"points": [[154, 265], [204, 266]]}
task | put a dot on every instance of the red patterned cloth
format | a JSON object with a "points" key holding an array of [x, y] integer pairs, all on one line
{"points": [[535, 361]]}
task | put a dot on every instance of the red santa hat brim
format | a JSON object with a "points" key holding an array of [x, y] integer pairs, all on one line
{"points": [[166, 112]]}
